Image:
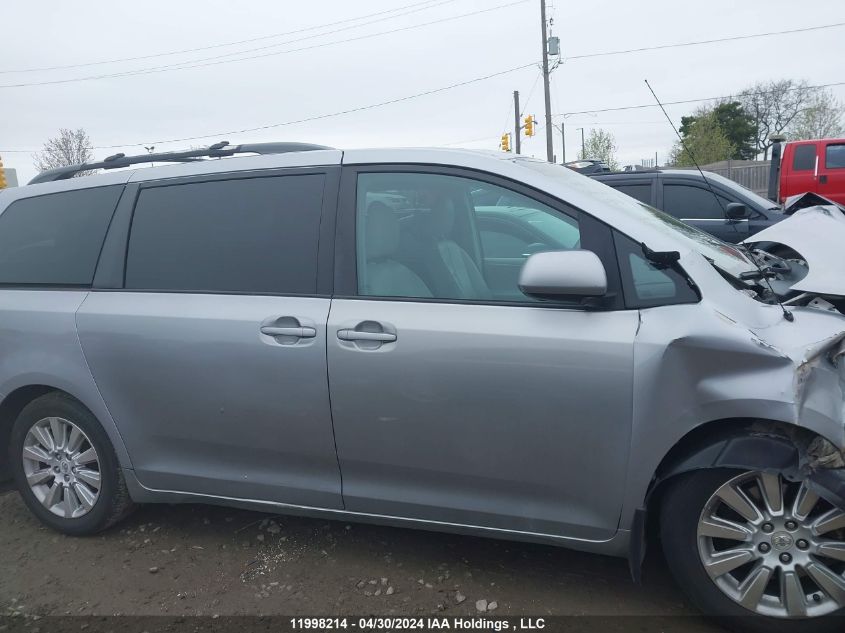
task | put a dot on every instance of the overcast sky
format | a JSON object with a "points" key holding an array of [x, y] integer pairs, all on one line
{"points": [[330, 75]]}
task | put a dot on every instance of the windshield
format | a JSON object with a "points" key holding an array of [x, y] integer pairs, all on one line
{"points": [[728, 257]]}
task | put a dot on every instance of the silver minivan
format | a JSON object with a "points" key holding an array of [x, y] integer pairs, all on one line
{"points": [[439, 339]]}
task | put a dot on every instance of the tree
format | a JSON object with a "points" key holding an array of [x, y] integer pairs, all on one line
{"points": [[773, 107], [735, 123], [704, 142], [70, 147], [820, 118], [602, 145]]}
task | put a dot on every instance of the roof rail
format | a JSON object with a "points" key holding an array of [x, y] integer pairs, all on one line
{"points": [[218, 150]]}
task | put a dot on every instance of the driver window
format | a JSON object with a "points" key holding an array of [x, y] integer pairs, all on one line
{"points": [[447, 237]]}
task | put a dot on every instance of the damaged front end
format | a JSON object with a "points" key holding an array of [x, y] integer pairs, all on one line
{"points": [[760, 392], [811, 446], [803, 256]]}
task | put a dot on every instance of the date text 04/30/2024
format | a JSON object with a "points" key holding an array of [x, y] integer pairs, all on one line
{"points": [[456, 623]]}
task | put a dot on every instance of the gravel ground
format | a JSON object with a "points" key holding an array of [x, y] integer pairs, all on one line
{"points": [[211, 561]]}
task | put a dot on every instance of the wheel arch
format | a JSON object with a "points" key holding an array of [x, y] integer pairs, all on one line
{"points": [[19, 397], [794, 451]]}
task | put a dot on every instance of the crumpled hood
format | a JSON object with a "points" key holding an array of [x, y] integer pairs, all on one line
{"points": [[817, 234]]}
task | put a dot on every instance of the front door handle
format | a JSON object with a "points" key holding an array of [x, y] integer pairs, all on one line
{"points": [[299, 332], [357, 335]]}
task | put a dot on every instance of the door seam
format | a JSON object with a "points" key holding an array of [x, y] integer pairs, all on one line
{"points": [[331, 406]]}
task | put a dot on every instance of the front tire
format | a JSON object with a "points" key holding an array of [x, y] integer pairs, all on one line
{"points": [[65, 467], [755, 551]]}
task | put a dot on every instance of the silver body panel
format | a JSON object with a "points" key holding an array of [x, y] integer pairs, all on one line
{"points": [[484, 415], [522, 422], [39, 346], [209, 404]]}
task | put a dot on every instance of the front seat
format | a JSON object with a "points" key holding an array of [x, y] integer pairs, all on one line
{"points": [[384, 276], [462, 273]]}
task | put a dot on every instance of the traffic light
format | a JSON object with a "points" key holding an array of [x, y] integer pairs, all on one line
{"points": [[529, 125], [505, 144], [3, 182]]}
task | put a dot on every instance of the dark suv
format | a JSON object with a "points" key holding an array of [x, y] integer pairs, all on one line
{"points": [[684, 194]]}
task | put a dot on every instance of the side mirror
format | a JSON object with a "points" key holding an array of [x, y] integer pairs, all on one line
{"points": [[737, 211], [575, 274]]}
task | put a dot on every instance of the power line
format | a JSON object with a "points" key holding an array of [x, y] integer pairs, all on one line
{"points": [[432, 3], [206, 61], [422, 94], [701, 42], [216, 60], [530, 94], [684, 101], [507, 118], [307, 119]]}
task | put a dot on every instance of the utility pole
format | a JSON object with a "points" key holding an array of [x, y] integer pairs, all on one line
{"points": [[548, 96], [516, 123]]}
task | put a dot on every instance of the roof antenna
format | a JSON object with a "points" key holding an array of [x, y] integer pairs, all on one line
{"points": [[763, 274]]}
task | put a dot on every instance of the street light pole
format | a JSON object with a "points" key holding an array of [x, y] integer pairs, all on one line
{"points": [[562, 128], [563, 141], [516, 123], [548, 96], [583, 146]]}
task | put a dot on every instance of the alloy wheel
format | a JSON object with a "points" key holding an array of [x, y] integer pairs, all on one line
{"points": [[774, 547], [62, 467]]}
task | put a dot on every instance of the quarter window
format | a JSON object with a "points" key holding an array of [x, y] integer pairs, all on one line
{"points": [[447, 237], [250, 235], [55, 239], [834, 157], [646, 285], [804, 158], [687, 202]]}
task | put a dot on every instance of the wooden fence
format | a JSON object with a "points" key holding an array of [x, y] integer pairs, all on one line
{"points": [[751, 174]]}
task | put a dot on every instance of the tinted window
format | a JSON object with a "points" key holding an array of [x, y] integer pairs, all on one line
{"points": [[693, 203], [835, 157], [246, 235], [644, 284], [55, 239], [437, 236], [501, 242], [638, 192], [804, 158]]}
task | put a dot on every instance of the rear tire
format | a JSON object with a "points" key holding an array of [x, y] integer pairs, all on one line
{"points": [[65, 467], [692, 501]]}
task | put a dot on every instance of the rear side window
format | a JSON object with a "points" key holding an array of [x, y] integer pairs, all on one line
{"points": [[687, 202], [249, 235], [804, 158], [55, 239], [834, 157], [638, 192]]}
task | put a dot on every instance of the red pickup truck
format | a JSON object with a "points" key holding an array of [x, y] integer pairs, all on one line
{"points": [[816, 166]]}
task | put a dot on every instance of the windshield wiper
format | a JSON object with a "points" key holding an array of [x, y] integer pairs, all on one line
{"points": [[756, 275]]}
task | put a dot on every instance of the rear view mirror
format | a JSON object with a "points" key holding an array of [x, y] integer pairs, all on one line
{"points": [[737, 211], [574, 274]]}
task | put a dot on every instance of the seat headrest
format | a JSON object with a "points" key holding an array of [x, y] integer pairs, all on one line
{"points": [[382, 231], [443, 217]]}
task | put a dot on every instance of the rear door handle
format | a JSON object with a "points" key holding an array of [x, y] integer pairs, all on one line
{"points": [[356, 335], [299, 332]]}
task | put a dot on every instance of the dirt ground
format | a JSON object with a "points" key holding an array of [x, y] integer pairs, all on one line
{"points": [[211, 561]]}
